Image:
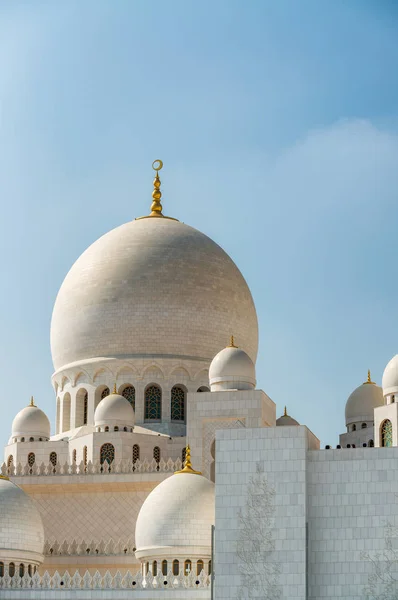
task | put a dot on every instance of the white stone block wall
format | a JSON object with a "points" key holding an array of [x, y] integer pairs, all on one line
{"points": [[281, 454]]}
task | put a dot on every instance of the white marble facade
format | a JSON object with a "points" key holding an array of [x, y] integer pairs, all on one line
{"points": [[117, 508]]}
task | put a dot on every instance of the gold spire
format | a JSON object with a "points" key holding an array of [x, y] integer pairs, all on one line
{"points": [[156, 206], [114, 388], [232, 342], [285, 413], [369, 380], [32, 402], [4, 477], [187, 464]]}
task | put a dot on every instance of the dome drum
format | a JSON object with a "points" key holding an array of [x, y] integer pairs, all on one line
{"points": [[171, 553]]}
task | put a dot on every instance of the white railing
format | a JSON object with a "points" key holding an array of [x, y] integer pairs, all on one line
{"points": [[106, 581], [92, 468]]}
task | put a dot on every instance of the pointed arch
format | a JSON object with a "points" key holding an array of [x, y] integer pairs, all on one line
{"points": [[153, 372], [81, 407], [66, 406]]}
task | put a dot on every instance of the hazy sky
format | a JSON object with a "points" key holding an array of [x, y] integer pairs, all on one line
{"points": [[277, 122]]}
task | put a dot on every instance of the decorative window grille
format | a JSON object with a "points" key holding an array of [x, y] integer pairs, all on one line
{"points": [[176, 567], [199, 567], [129, 394], [10, 460], [104, 393], [74, 456], [31, 459], [136, 453], [386, 434], [164, 567], [85, 408], [53, 459], [11, 569], [153, 403], [183, 455], [177, 404], [156, 454], [85, 456], [107, 453], [154, 568]]}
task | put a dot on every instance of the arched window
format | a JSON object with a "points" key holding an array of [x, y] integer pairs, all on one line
{"points": [[354, 427], [58, 416], [81, 407], [53, 459], [30, 570], [153, 403], [104, 393], [31, 439], [22, 439], [199, 567], [183, 455], [154, 568], [176, 567], [116, 428], [136, 453], [74, 456], [129, 394], [156, 455], [187, 567], [386, 433], [209, 567], [85, 456], [164, 567], [392, 399], [1, 569], [31, 460], [203, 388], [85, 408], [371, 444], [363, 426], [11, 569], [21, 570], [106, 428], [10, 461], [107, 453], [66, 404], [177, 403]]}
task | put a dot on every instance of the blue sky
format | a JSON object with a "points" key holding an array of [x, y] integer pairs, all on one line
{"points": [[278, 126]]}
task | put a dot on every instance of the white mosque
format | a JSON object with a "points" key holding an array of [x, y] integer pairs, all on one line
{"points": [[154, 340]]}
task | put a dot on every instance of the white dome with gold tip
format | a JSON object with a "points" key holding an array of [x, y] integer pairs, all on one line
{"points": [[362, 402], [232, 368], [31, 421], [176, 518], [390, 377], [114, 410]]}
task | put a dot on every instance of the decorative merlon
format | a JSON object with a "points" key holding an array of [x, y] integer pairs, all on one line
{"points": [[92, 468], [105, 582]]}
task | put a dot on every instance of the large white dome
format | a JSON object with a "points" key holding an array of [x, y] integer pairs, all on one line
{"points": [[176, 519], [362, 402], [21, 527], [153, 286]]}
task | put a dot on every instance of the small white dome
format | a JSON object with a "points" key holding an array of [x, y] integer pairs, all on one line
{"points": [[21, 527], [390, 377], [232, 368], [176, 518], [286, 421], [31, 422], [362, 402], [114, 410]]}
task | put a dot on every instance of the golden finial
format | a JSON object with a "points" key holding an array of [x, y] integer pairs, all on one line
{"points": [[156, 207], [369, 380], [187, 464], [285, 413], [4, 477], [114, 388], [32, 402], [232, 342]]}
